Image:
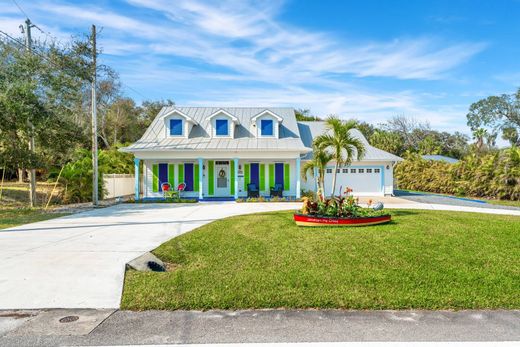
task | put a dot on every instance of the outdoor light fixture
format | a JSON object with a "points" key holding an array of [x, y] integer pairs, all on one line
{"points": [[388, 167]]}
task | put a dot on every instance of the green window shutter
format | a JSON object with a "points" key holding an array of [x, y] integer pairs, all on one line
{"points": [[286, 177], [181, 173], [211, 177], [262, 177], [196, 181], [232, 166], [247, 172], [271, 175], [171, 175], [155, 178]]}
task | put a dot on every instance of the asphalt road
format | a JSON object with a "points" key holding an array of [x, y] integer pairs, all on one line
{"points": [[258, 326]]}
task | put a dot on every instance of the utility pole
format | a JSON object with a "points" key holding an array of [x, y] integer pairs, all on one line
{"points": [[26, 29], [94, 123]]}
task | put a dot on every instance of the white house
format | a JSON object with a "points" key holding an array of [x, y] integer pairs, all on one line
{"points": [[217, 152]]}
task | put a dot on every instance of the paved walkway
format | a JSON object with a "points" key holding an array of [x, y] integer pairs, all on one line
{"points": [[258, 326], [79, 261]]}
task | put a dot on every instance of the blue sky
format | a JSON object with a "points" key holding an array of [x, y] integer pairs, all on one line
{"points": [[368, 60]]}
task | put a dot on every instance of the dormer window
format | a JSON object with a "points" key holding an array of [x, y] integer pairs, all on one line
{"points": [[266, 124], [176, 127], [266, 127], [222, 127]]}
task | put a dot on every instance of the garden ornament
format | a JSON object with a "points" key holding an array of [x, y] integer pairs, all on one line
{"points": [[378, 206]]}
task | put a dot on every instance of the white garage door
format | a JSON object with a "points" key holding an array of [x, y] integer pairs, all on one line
{"points": [[362, 180]]}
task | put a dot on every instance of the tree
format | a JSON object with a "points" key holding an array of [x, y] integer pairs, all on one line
{"points": [[342, 144], [480, 135], [304, 115], [150, 109], [388, 141], [497, 114], [36, 95], [319, 161]]}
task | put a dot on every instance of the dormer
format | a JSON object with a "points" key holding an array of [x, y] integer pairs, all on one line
{"points": [[178, 124], [223, 124], [266, 124]]}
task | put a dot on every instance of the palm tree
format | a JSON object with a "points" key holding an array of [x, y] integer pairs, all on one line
{"points": [[319, 161], [479, 135], [340, 142]]}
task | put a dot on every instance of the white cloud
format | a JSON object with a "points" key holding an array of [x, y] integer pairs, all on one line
{"points": [[240, 52]]}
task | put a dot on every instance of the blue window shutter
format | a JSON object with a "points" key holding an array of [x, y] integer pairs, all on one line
{"points": [[176, 127], [221, 126], [266, 126]]}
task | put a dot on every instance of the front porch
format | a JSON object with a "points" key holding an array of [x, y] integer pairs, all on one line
{"points": [[217, 179]]}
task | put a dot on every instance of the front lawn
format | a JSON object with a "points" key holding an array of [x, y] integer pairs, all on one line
{"points": [[10, 217], [424, 259]]}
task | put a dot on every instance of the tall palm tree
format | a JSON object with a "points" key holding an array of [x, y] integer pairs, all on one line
{"points": [[319, 161], [340, 142], [479, 135]]}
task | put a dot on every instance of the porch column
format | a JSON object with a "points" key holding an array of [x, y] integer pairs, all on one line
{"points": [[236, 178], [298, 177], [136, 177], [201, 180]]}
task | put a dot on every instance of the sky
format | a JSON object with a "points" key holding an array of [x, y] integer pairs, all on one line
{"points": [[366, 59]]}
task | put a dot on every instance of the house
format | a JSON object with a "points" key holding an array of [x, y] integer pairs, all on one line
{"points": [[443, 158], [217, 152]]}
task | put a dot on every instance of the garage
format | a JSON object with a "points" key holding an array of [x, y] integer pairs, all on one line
{"points": [[364, 180]]}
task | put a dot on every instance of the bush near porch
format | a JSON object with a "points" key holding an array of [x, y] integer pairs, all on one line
{"points": [[421, 260]]}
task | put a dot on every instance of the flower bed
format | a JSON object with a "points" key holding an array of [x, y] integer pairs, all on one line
{"points": [[339, 211]]}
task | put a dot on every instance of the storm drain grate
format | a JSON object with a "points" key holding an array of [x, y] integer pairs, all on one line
{"points": [[69, 319]]}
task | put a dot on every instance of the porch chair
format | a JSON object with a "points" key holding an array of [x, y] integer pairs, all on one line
{"points": [[252, 191], [277, 190], [180, 188]]}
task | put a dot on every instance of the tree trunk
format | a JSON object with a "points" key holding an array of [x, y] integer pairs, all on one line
{"points": [[334, 180], [21, 171]]}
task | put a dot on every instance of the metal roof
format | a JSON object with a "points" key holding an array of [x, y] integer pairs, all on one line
{"points": [[199, 138], [293, 135], [310, 130], [436, 157]]}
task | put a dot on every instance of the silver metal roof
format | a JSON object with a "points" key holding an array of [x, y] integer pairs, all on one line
{"points": [[293, 135], [310, 130], [199, 138], [436, 157]]}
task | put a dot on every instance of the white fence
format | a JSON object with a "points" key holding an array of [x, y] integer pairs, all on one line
{"points": [[116, 185]]}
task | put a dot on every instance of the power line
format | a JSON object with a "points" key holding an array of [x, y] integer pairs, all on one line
{"points": [[20, 8]]}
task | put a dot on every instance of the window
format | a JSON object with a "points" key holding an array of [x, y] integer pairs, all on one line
{"points": [[369, 170], [361, 171], [329, 170], [176, 127], [337, 170], [352, 170], [266, 127], [345, 170], [377, 170], [221, 127]]}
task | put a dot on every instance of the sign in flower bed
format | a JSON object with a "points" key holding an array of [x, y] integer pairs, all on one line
{"points": [[340, 211]]}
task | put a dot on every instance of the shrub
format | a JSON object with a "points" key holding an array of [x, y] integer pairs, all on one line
{"points": [[77, 174], [494, 175]]}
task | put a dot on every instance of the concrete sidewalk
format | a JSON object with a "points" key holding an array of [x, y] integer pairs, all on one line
{"points": [[256, 326]]}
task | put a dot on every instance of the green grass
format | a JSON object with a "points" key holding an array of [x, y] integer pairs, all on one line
{"points": [[423, 259], [10, 217]]}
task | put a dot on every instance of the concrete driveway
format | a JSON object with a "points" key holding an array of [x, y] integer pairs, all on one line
{"points": [[79, 261]]}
